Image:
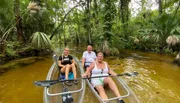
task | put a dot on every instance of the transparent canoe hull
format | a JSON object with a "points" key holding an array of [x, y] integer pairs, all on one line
{"points": [[126, 93], [53, 94]]}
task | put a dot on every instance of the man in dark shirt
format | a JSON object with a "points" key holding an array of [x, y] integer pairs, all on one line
{"points": [[67, 64]]}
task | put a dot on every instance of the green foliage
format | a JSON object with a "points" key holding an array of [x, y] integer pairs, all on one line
{"points": [[101, 21], [6, 34], [165, 23], [40, 21], [175, 31], [3, 3], [10, 52], [170, 3], [118, 42], [10, 48], [6, 14], [40, 41], [153, 37], [168, 51]]}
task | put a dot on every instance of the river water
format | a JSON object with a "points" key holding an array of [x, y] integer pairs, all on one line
{"points": [[158, 80]]}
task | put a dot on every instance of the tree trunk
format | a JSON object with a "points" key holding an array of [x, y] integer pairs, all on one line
{"points": [[107, 20], [18, 21], [78, 38], [88, 27], [96, 12], [160, 7], [124, 7], [64, 30], [109, 12], [105, 47], [2, 46]]}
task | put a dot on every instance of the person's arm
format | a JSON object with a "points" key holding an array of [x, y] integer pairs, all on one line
{"points": [[60, 62], [83, 59], [73, 61], [95, 56], [88, 70]]}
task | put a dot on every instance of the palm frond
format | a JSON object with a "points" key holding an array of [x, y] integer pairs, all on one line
{"points": [[40, 41], [175, 31]]}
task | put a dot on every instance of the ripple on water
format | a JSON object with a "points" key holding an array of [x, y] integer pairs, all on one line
{"points": [[152, 85]]}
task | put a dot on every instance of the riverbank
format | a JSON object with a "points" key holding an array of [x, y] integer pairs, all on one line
{"points": [[23, 57], [19, 62]]}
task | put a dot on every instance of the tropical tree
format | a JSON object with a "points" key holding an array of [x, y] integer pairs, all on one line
{"points": [[6, 23]]}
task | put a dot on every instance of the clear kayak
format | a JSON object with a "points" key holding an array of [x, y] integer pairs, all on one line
{"points": [[56, 92], [126, 93]]}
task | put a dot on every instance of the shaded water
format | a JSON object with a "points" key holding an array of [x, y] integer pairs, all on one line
{"points": [[16, 85], [157, 82]]}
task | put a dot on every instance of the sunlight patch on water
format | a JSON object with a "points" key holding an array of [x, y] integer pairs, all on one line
{"points": [[156, 82]]}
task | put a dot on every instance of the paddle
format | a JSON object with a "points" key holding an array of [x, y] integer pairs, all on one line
{"points": [[46, 83]]}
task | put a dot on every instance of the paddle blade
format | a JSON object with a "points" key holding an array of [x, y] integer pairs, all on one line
{"points": [[135, 73], [45, 83], [132, 74]]}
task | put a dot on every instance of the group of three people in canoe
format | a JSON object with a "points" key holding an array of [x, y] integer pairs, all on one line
{"points": [[94, 66]]}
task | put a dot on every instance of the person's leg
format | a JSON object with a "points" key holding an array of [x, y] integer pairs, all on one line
{"points": [[74, 70], [63, 69], [75, 73], [101, 92], [85, 67], [61, 73], [112, 86], [68, 67]]}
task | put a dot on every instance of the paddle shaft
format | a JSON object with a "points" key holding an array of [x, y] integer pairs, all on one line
{"points": [[51, 82], [84, 78]]}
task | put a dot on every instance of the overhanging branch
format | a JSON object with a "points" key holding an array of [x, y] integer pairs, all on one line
{"points": [[59, 26]]}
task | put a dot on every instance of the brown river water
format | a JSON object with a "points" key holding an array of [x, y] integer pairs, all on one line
{"points": [[158, 80]]}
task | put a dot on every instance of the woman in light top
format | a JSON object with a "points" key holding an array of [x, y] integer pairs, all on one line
{"points": [[101, 68]]}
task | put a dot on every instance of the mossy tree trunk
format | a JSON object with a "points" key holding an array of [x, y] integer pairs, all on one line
{"points": [[2, 48], [124, 14], [87, 21], [160, 7], [18, 18], [110, 13]]}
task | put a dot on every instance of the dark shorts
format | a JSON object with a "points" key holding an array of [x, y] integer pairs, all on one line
{"points": [[85, 67]]}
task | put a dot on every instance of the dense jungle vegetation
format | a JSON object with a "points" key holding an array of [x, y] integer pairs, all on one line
{"points": [[30, 26]]}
